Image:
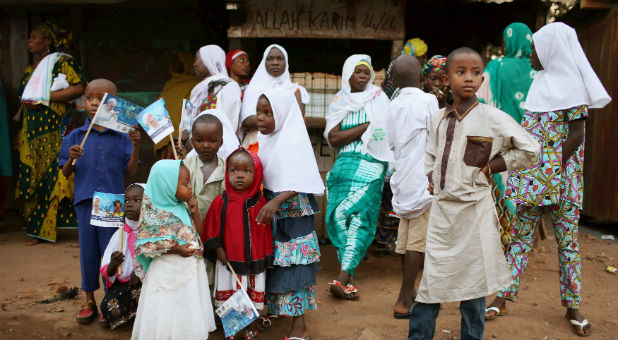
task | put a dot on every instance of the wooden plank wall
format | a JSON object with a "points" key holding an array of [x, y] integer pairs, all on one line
{"points": [[599, 39]]}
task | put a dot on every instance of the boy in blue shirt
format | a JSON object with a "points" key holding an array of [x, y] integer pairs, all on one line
{"points": [[99, 166]]}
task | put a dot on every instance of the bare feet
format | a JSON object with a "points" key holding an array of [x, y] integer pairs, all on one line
{"points": [[32, 242], [579, 325], [500, 304]]}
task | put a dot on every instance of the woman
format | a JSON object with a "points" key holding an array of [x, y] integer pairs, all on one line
{"points": [[46, 87], [217, 90], [505, 86], [175, 90], [415, 47], [272, 72], [356, 125], [239, 68]]}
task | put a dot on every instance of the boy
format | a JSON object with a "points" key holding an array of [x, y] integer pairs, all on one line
{"points": [[206, 168], [99, 166], [467, 142], [410, 111]]}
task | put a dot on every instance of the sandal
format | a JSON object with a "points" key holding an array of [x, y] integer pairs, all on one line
{"points": [[103, 322], [578, 327], [404, 315], [250, 335], [352, 292], [296, 338], [495, 310], [88, 314]]}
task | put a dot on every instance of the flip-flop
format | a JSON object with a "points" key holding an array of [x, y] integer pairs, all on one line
{"points": [[494, 309], [296, 338], [578, 327], [404, 315], [351, 292]]}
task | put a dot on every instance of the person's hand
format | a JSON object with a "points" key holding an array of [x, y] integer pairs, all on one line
{"points": [[75, 151], [221, 255], [134, 281], [184, 250], [116, 260], [268, 211], [440, 94], [485, 171], [193, 206], [135, 136], [430, 188]]}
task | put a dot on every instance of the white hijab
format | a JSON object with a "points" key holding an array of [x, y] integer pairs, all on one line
{"points": [[230, 140], [286, 154], [372, 99], [567, 79], [213, 58], [262, 81]]}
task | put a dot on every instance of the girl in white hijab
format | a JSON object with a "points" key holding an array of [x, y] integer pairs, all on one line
{"points": [[356, 123], [563, 89], [217, 90], [273, 71], [291, 179], [230, 140]]}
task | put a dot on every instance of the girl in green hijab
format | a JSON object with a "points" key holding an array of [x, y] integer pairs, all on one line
{"points": [[505, 86]]}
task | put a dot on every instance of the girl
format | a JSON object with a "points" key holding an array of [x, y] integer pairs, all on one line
{"points": [[356, 124], [168, 255], [217, 90], [230, 227], [291, 178], [272, 72], [434, 71], [47, 196], [120, 302]]}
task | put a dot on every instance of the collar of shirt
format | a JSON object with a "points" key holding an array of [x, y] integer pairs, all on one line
{"points": [[87, 125], [462, 110]]}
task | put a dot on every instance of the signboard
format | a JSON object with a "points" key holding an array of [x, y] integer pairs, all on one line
{"points": [[334, 19]]}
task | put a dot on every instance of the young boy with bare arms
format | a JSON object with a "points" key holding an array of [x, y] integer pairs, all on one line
{"points": [[468, 142]]}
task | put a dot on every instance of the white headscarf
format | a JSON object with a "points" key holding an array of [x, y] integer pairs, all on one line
{"points": [[230, 140], [262, 81], [567, 79], [286, 154], [375, 102]]}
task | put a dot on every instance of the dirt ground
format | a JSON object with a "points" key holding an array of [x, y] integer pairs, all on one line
{"points": [[28, 274]]}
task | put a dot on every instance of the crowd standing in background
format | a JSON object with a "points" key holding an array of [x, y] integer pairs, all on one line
{"points": [[450, 164]]}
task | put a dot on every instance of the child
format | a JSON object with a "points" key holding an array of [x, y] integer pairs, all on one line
{"points": [[120, 302], [117, 209], [99, 166], [468, 141], [175, 299], [230, 141], [231, 229], [433, 71], [291, 178], [410, 112], [555, 113]]}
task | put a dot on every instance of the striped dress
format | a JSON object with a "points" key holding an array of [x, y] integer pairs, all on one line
{"points": [[354, 189]]}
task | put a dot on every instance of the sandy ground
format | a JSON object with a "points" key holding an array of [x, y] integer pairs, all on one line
{"points": [[28, 274]]}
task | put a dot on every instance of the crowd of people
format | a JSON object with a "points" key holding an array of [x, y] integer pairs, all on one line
{"points": [[450, 162]]}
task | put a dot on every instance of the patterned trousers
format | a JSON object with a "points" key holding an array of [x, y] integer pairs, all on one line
{"points": [[565, 218]]}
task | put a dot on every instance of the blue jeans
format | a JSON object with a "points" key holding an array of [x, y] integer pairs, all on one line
{"points": [[424, 315]]}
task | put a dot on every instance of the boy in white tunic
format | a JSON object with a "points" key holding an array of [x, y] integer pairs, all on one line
{"points": [[468, 141], [410, 111]]}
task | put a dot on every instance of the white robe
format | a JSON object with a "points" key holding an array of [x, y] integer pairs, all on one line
{"points": [[464, 258]]}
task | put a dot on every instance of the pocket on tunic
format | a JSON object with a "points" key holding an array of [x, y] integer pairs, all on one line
{"points": [[478, 150]]}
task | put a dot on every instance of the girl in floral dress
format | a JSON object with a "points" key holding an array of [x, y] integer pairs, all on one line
{"points": [[291, 178]]}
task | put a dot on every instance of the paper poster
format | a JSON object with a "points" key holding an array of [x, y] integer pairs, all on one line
{"points": [[107, 210], [237, 313], [156, 121], [117, 114], [187, 116]]}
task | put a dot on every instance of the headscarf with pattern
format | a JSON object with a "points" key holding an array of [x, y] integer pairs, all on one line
{"points": [[437, 62], [60, 39]]}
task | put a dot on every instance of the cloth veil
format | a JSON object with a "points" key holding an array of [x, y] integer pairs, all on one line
{"points": [[286, 154], [375, 103], [263, 81], [567, 79]]}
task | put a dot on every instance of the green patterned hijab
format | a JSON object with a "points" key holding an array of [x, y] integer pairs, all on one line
{"points": [[510, 76]]}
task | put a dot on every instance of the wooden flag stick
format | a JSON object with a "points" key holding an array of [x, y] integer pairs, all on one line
{"points": [[173, 147], [120, 247], [85, 136]]}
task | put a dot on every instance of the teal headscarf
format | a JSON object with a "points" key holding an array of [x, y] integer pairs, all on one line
{"points": [[161, 188], [510, 77]]}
